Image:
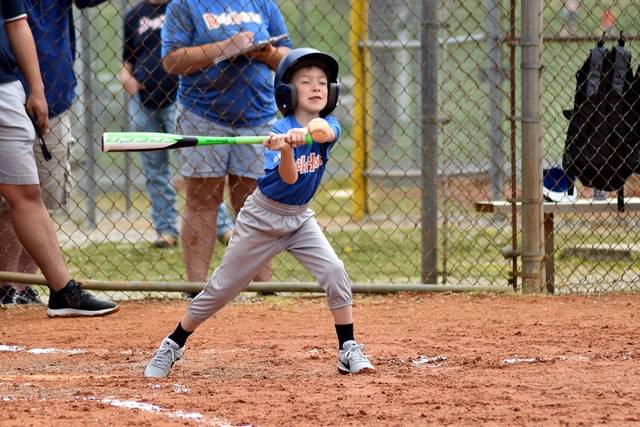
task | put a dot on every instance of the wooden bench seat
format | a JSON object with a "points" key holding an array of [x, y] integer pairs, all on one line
{"points": [[631, 204]]}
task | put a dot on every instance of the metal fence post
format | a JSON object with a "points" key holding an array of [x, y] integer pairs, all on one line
{"points": [[123, 118], [384, 70], [87, 138], [533, 267], [494, 80], [429, 124], [358, 20]]}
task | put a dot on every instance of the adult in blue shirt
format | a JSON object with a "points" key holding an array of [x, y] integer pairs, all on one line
{"points": [[19, 182], [232, 97], [51, 23], [151, 108]]}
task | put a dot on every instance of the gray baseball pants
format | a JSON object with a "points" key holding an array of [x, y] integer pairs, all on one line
{"points": [[263, 229]]}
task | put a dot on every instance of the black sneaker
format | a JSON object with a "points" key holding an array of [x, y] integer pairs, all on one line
{"points": [[28, 296], [190, 295], [73, 301], [7, 295]]}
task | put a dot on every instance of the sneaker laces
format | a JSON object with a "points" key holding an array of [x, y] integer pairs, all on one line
{"points": [[76, 296], [355, 353], [164, 357]]}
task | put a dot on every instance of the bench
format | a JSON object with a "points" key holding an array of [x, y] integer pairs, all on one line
{"points": [[631, 204]]}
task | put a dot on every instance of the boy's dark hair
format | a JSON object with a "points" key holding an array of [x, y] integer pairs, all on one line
{"points": [[286, 94]]}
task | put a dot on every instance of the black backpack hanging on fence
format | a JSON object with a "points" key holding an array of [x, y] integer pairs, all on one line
{"points": [[601, 138], [634, 120]]}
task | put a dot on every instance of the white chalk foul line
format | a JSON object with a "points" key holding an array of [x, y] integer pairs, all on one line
{"points": [[431, 362], [543, 359], [151, 408], [18, 348]]}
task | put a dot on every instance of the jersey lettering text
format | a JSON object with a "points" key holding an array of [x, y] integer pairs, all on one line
{"points": [[308, 165]]}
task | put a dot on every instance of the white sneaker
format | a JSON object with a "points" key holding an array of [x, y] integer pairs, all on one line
{"points": [[163, 359], [351, 360]]}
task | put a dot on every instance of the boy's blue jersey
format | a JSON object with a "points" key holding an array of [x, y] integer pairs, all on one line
{"points": [[236, 92], [311, 160]]}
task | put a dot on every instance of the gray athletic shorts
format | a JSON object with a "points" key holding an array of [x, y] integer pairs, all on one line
{"points": [[216, 161], [17, 135], [263, 229], [54, 175]]}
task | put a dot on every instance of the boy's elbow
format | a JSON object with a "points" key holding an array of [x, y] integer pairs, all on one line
{"points": [[290, 179]]}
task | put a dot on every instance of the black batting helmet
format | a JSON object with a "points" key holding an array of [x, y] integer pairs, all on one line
{"points": [[285, 92]]}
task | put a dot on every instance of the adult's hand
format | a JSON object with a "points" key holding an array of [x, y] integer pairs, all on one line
{"points": [[132, 86], [130, 83], [269, 54], [263, 54], [192, 59], [237, 42], [37, 107]]}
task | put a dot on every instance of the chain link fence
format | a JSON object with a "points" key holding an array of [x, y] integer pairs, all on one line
{"points": [[371, 205]]}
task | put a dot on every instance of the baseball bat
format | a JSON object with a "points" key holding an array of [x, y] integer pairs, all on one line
{"points": [[152, 141]]}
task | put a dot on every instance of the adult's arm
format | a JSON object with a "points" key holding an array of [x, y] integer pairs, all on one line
{"points": [[129, 82], [188, 60], [24, 49], [129, 50]]}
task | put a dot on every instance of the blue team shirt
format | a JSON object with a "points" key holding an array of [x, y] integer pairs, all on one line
{"points": [[10, 10], [236, 92], [52, 25], [311, 160]]}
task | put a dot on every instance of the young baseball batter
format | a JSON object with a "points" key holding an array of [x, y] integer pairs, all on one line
{"points": [[276, 217]]}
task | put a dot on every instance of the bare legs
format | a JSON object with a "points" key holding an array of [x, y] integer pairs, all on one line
{"points": [[342, 315], [204, 195], [13, 256], [34, 229]]}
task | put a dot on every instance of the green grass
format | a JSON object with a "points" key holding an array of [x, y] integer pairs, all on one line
{"points": [[380, 255], [385, 247]]}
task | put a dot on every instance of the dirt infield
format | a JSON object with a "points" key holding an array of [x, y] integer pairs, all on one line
{"points": [[440, 359]]}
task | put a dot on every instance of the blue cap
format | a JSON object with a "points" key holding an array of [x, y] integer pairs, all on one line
{"points": [[555, 186]]}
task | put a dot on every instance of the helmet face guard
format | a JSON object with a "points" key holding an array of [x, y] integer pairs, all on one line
{"points": [[286, 93]]}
